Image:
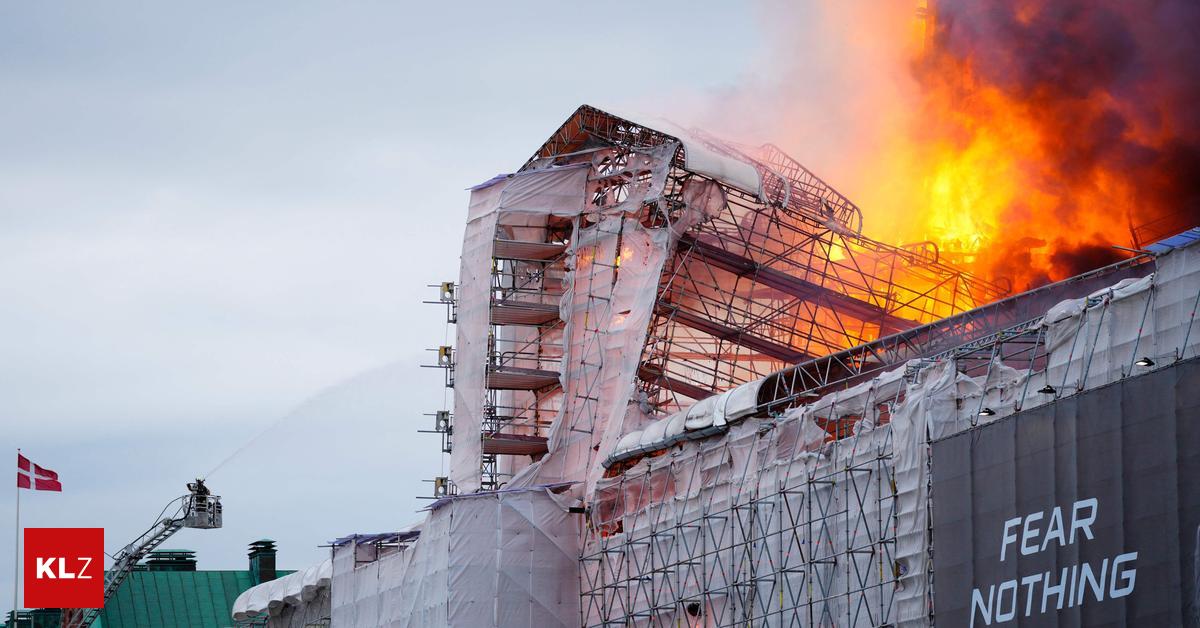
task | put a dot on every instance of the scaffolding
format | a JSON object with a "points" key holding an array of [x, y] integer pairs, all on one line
{"points": [[720, 394], [815, 509], [799, 510], [766, 274], [797, 544], [770, 277]]}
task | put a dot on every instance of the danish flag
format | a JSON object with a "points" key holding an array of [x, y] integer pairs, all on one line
{"points": [[31, 476]]}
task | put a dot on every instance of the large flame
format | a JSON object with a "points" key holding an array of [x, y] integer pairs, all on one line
{"points": [[1042, 137], [1025, 138]]}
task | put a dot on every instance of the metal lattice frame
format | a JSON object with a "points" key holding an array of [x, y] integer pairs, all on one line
{"points": [[781, 285], [980, 325], [769, 281], [519, 282], [763, 543], [816, 546]]}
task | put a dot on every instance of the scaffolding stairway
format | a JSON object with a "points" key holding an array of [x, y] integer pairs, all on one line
{"points": [[525, 294]]}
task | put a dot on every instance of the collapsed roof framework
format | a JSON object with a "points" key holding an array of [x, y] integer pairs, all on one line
{"points": [[777, 274], [771, 279]]}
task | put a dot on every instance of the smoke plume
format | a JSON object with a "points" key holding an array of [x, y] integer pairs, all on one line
{"points": [[1106, 92], [1024, 138]]}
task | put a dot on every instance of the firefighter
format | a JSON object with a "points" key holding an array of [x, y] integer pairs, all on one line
{"points": [[200, 494]]}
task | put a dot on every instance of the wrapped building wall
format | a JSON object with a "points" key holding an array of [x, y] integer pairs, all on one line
{"points": [[627, 272], [820, 515], [495, 559], [732, 392]]}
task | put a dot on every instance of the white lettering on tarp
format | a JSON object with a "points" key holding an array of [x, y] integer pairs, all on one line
{"points": [[1085, 524], [1128, 576], [1011, 587], [1054, 529], [1029, 581], [1097, 583], [1008, 538], [1030, 532], [1073, 585], [1057, 590]]}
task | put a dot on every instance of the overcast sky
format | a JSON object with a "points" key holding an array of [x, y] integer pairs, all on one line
{"points": [[216, 216]]}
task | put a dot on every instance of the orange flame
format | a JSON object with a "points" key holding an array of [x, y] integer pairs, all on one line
{"points": [[1024, 138], [1015, 176]]}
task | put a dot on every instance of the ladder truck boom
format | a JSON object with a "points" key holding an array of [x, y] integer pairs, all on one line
{"points": [[199, 508]]}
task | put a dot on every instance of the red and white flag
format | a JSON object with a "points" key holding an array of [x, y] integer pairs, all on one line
{"points": [[31, 476]]}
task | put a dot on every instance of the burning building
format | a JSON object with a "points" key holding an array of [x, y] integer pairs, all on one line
{"points": [[689, 391]]}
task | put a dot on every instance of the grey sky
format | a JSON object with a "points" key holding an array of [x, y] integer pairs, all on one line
{"points": [[211, 213]]}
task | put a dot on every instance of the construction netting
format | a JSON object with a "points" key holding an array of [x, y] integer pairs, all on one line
{"points": [[820, 515], [504, 558], [500, 208], [578, 309], [772, 521], [719, 515], [296, 600]]}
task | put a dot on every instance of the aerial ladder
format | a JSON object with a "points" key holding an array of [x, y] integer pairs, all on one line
{"points": [[198, 509]]}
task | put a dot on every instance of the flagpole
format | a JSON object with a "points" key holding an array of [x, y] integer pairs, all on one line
{"points": [[17, 550]]}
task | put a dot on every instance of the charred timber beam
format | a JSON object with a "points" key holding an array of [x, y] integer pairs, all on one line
{"points": [[769, 348], [653, 374], [799, 288]]}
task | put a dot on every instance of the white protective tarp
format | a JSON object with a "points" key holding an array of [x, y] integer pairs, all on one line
{"points": [[293, 590], [699, 158], [771, 511], [629, 442], [739, 402], [598, 385], [1176, 304], [1091, 341], [471, 336], [1125, 329], [741, 510], [613, 269], [518, 199], [719, 411], [924, 402], [700, 414], [506, 558]]}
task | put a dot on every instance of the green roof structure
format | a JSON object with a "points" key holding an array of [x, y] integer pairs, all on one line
{"points": [[167, 591], [169, 599]]}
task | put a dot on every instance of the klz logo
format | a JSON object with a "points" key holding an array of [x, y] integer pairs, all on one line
{"points": [[45, 568], [64, 567]]}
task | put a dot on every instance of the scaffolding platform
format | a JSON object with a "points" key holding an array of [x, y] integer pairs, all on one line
{"points": [[517, 378], [527, 251], [514, 444], [518, 313]]}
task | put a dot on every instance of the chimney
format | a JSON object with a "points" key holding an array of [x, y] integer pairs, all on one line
{"points": [[170, 560], [262, 561]]}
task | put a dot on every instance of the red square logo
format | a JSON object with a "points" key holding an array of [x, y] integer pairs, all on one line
{"points": [[64, 567]]}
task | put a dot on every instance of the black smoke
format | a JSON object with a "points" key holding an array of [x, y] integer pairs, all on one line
{"points": [[1115, 85]]}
